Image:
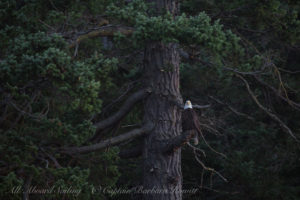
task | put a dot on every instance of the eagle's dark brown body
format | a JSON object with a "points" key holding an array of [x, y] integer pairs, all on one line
{"points": [[190, 120]]}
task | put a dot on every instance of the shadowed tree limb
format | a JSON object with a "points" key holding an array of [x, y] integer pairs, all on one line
{"points": [[284, 127], [178, 141], [126, 107], [110, 142], [108, 30], [183, 139]]}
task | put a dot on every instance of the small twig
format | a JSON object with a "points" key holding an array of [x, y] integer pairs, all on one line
{"points": [[76, 49], [197, 149], [129, 125], [45, 160], [57, 165], [46, 24], [244, 73], [210, 129], [290, 72]]}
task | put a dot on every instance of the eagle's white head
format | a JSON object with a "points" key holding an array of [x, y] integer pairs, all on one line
{"points": [[188, 104]]}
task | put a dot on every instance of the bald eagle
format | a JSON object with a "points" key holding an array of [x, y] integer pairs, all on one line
{"points": [[190, 121]]}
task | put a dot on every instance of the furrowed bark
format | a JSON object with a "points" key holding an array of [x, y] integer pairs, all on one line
{"points": [[162, 171]]}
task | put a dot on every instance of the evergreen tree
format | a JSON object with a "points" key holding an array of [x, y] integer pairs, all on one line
{"points": [[79, 79]]}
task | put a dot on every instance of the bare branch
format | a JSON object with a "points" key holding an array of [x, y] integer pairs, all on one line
{"points": [[244, 73], [110, 142], [197, 149], [200, 106], [290, 72], [290, 102], [284, 127]]}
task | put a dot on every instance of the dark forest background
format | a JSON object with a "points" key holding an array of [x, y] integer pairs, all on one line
{"points": [[65, 65]]}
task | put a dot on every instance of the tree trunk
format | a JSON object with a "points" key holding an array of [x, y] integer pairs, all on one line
{"points": [[162, 172], [162, 178]]}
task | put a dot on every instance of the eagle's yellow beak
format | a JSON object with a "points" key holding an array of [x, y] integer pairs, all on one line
{"points": [[188, 104]]}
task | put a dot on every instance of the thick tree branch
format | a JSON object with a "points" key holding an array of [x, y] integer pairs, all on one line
{"points": [[126, 107], [178, 141], [108, 30], [110, 142], [284, 127], [128, 89]]}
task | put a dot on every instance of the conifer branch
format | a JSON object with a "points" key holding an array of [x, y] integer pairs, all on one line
{"points": [[110, 142], [126, 107], [108, 30]]}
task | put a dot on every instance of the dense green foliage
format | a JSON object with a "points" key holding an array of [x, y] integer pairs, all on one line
{"points": [[47, 101], [52, 94]]}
